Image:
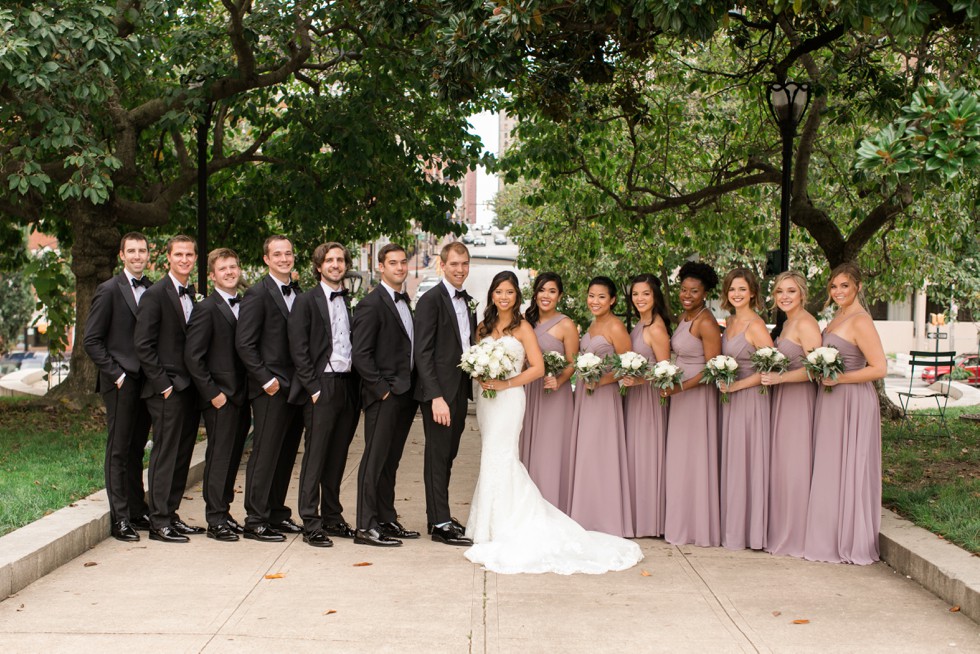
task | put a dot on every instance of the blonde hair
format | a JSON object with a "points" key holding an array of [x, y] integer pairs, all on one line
{"points": [[854, 273], [750, 279], [797, 278]]}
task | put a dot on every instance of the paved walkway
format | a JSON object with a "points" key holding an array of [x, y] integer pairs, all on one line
{"points": [[216, 597]]}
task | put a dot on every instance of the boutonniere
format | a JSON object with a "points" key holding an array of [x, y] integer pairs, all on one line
{"points": [[354, 301], [198, 297], [473, 305]]}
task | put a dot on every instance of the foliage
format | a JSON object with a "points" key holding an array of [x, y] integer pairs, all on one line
{"points": [[52, 279], [16, 307]]}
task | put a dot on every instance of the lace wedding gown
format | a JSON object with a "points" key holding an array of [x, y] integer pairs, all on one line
{"points": [[514, 529]]}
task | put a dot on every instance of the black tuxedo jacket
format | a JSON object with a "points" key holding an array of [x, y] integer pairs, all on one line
{"points": [[262, 339], [109, 331], [310, 342], [382, 348], [438, 348], [210, 354], [161, 333]]}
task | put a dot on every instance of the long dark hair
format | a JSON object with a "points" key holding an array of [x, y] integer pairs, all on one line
{"points": [[659, 305], [490, 315], [533, 313]]}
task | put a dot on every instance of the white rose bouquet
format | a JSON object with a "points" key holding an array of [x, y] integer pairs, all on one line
{"points": [[554, 365], [628, 364], [665, 375], [487, 360], [720, 369], [769, 359], [823, 363], [588, 369]]}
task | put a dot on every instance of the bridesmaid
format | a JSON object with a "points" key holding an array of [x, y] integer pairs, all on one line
{"points": [[548, 415], [744, 419], [845, 493], [598, 497], [645, 420], [692, 428], [793, 398]]}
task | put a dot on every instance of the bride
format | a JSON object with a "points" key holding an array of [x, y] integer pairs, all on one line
{"points": [[514, 529]]}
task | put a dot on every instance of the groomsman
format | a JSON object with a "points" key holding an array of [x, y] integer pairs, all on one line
{"points": [[262, 342], [444, 326], [109, 343], [161, 330], [327, 388], [220, 379], [383, 335]]}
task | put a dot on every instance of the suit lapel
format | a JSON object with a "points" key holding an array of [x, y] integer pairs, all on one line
{"points": [[127, 291], [273, 286], [321, 304], [225, 310], [390, 304], [171, 292], [448, 301]]}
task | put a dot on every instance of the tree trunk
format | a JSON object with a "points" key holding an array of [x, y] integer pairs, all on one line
{"points": [[93, 260]]}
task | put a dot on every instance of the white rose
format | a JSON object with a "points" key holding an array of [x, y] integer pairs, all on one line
{"points": [[830, 356], [731, 364], [764, 352], [813, 357]]}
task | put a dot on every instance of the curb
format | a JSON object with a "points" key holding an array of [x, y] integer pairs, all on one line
{"points": [[34, 550], [942, 568]]}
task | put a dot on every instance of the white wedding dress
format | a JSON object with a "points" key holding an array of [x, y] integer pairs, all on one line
{"points": [[514, 529]]}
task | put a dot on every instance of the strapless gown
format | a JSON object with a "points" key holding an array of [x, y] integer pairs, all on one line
{"points": [[514, 529]]}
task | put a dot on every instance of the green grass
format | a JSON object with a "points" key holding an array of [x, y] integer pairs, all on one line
{"points": [[50, 456], [933, 479]]}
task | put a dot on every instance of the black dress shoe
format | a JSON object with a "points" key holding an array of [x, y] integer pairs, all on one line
{"points": [[339, 530], [450, 535], [317, 538], [168, 535], [234, 526], [376, 538], [123, 530], [141, 522], [263, 533], [182, 527], [287, 526], [394, 529], [223, 533], [429, 526]]}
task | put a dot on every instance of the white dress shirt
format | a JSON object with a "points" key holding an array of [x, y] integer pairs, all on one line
{"points": [[406, 315], [462, 314], [340, 356], [226, 297], [186, 301], [137, 290]]}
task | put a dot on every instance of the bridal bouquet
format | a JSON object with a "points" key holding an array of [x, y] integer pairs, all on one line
{"points": [[823, 363], [769, 359], [487, 360], [665, 375], [588, 369], [628, 364], [554, 365], [720, 369]]}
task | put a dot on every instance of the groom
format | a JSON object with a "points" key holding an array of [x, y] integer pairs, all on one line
{"points": [[444, 327]]}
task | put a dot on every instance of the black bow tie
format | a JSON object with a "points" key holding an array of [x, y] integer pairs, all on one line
{"points": [[289, 288], [403, 297], [142, 281], [186, 290], [463, 294], [234, 300], [336, 294]]}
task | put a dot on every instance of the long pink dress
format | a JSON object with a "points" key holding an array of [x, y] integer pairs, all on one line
{"points": [[791, 457], [646, 437], [744, 456], [692, 513], [548, 427], [598, 497], [844, 513]]}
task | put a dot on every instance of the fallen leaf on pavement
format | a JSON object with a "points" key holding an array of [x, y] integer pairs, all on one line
{"points": [[954, 609], [89, 564], [776, 614], [362, 564], [329, 611], [801, 622], [644, 573], [275, 575]]}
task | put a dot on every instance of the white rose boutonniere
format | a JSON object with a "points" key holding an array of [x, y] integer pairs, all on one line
{"points": [[473, 305], [198, 297]]}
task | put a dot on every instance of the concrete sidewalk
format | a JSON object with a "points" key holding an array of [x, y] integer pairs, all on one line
{"points": [[215, 597]]}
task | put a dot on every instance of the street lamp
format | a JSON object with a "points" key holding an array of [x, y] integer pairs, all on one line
{"points": [[203, 127], [787, 104]]}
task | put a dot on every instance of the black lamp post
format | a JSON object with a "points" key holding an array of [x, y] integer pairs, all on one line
{"points": [[787, 104], [203, 127]]}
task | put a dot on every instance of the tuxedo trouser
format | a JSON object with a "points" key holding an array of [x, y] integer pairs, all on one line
{"points": [[227, 429], [386, 426], [175, 422], [441, 447], [128, 424], [330, 426], [275, 440]]}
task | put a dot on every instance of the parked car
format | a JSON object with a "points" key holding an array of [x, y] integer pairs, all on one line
{"points": [[426, 284], [486, 230], [970, 362], [479, 240], [500, 239], [468, 238]]}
